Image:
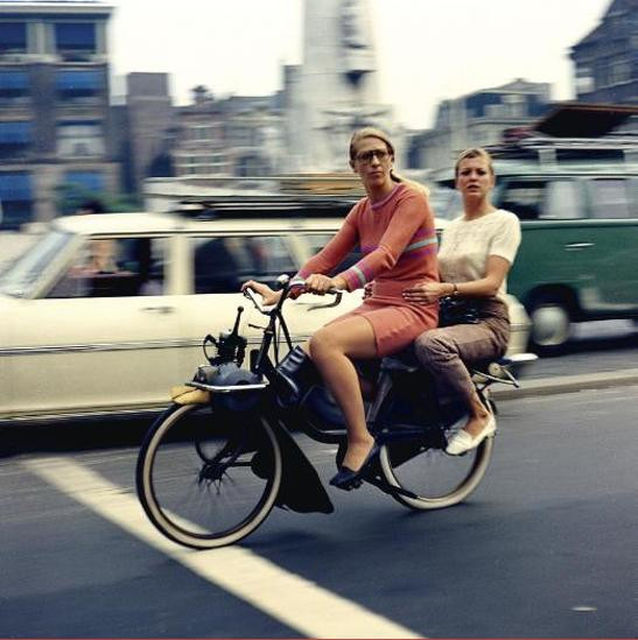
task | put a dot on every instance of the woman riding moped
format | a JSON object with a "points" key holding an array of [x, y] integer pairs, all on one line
{"points": [[394, 227]]}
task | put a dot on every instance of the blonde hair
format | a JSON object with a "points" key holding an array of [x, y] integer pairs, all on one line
{"points": [[473, 152], [373, 132]]}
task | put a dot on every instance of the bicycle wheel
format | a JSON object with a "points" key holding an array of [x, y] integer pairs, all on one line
{"points": [[437, 479], [208, 479]]}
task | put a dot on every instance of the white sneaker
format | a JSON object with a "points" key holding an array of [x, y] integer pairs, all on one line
{"points": [[462, 441]]}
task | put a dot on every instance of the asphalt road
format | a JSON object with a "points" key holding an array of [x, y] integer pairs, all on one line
{"points": [[546, 547]]}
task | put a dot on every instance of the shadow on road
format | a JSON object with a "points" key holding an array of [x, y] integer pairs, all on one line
{"points": [[72, 435]]}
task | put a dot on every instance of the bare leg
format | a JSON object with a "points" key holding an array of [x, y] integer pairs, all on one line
{"points": [[331, 349]]}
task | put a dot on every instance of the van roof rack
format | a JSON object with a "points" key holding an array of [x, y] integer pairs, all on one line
{"points": [[260, 206], [551, 151]]}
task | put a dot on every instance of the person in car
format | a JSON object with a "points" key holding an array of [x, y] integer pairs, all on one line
{"points": [[394, 227], [476, 253]]}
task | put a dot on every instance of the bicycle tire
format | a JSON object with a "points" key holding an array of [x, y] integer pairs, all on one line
{"points": [[205, 479], [437, 479]]}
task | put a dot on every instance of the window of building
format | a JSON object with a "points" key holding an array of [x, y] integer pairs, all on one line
{"points": [[17, 200], [610, 199], [75, 38], [80, 138], [87, 180], [15, 137], [114, 267], [620, 71], [79, 85], [584, 79], [221, 264], [13, 37], [14, 85]]}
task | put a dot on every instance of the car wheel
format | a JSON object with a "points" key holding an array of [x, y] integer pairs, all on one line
{"points": [[551, 326]]}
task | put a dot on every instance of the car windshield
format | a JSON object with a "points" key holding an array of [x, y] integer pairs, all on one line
{"points": [[18, 279]]}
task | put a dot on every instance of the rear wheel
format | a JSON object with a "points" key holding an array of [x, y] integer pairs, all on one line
{"points": [[437, 479], [206, 479]]}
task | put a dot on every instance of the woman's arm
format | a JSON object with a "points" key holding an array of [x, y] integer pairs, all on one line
{"points": [[412, 214], [496, 269]]}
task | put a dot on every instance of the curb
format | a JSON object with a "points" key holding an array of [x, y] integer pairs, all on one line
{"points": [[567, 384]]}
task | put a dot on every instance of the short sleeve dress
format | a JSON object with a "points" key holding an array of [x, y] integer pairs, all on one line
{"points": [[397, 238]]}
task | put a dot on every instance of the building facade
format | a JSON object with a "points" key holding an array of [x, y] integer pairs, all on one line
{"points": [[477, 119], [606, 59], [235, 136], [54, 106]]}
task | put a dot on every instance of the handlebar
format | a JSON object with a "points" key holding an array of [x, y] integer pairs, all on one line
{"points": [[287, 285]]}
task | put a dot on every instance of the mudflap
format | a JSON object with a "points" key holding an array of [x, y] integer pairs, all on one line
{"points": [[301, 488]]}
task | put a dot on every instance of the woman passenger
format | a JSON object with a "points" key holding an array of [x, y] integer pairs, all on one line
{"points": [[394, 227], [476, 253]]}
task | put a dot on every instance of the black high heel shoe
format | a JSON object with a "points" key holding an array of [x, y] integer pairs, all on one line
{"points": [[348, 479]]}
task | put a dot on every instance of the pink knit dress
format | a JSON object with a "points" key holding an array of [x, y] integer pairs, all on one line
{"points": [[398, 240]]}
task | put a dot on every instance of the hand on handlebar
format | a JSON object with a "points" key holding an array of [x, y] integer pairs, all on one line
{"points": [[269, 296], [319, 284]]}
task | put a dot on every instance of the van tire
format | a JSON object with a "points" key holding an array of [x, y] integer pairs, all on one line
{"points": [[551, 329]]}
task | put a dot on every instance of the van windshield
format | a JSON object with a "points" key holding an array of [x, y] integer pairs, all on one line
{"points": [[18, 280]]}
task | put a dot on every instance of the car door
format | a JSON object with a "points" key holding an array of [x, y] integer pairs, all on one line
{"points": [[98, 338]]}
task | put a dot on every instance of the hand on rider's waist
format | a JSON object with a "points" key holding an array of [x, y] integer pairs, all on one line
{"points": [[426, 292]]}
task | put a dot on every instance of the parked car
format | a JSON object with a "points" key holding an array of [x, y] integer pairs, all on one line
{"points": [[106, 312], [579, 217]]}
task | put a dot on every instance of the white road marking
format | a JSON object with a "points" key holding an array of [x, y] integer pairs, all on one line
{"points": [[287, 597]]}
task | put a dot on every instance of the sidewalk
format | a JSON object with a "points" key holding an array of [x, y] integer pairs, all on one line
{"points": [[566, 384]]}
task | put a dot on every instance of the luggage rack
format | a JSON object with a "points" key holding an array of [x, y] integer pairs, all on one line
{"points": [[260, 206], [552, 151]]}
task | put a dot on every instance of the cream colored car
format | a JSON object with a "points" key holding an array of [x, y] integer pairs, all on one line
{"points": [[106, 312]]}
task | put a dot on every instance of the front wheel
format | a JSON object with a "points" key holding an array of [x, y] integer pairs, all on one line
{"points": [[436, 479], [208, 479]]}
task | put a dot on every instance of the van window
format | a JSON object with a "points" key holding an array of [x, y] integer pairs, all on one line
{"points": [[221, 264], [543, 199], [563, 200], [523, 197], [610, 198]]}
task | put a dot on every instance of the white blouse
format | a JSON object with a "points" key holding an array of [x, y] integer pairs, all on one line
{"points": [[466, 245]]}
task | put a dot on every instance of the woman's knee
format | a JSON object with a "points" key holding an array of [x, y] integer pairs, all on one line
{"points": [[321, 342]]}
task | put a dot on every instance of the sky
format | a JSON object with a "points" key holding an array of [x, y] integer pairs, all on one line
{"points": [[427, 50]]}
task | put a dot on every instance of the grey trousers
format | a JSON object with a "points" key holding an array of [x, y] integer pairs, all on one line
{"points": [[446, 351]]}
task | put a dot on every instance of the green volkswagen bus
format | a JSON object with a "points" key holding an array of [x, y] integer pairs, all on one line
{"points": [[578, 205]]}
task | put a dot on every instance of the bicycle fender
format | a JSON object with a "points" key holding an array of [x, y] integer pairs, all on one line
{"points": [[301, 488]]}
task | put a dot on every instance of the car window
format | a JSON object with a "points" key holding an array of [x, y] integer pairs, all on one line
{"points": [[610, 198], [563, 200], [114, 267], [222, 263]]}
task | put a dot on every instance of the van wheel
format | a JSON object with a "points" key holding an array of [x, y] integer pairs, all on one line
{"points": [[551, 326]]}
